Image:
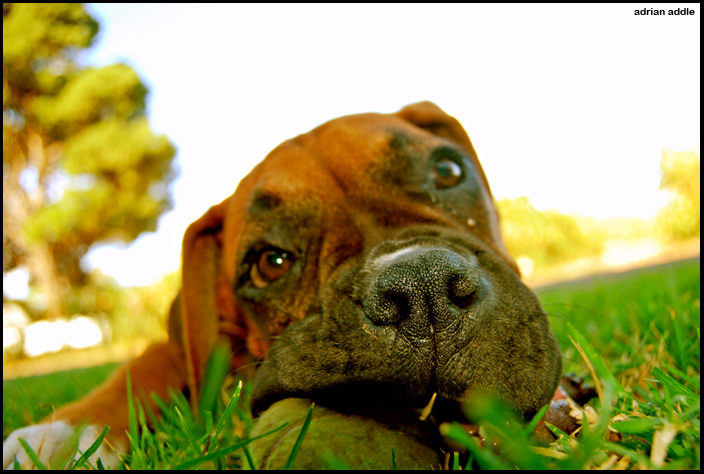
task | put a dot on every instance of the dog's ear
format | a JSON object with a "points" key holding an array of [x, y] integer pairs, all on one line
{"points": [[431, 118], [206, 308], [200, 269]]}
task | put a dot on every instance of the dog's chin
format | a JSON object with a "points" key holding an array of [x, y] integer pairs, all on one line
{"points": [[373, 400], [346, 397]]}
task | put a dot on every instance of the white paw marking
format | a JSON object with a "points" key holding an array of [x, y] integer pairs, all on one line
{"points": [[53, 443]]}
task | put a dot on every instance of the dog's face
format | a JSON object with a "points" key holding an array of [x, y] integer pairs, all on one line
{"points": [[367, 258]]}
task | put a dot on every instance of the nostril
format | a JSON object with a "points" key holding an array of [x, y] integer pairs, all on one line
{"points": [[394, 308], [461, 291], [387, 303], [462, 302]]}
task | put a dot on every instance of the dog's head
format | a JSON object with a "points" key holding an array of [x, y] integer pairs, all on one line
{"points": [[364, 260]]}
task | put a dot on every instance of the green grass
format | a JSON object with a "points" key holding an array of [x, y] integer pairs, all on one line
{"points": [[639, 332], [28, 400], [631, 319]]}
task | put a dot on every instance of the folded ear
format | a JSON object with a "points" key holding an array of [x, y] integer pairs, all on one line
{"points": [[200, 317], [431, 118]]}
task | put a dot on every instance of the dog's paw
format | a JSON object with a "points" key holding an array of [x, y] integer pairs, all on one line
{"points": [[54, 443]]}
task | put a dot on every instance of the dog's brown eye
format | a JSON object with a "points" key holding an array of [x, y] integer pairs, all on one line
{"points": [[446, 173], [271, 265]]}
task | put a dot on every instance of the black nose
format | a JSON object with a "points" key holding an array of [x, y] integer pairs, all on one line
{"points": [[429, 284]]}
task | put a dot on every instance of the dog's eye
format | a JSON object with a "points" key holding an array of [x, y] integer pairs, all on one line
{"points": [[270, 265], [447, 173]]}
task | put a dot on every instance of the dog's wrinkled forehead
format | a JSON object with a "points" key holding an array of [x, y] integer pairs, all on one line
{"points": [[375, 147], [347, 158], [346, 152], [379, 164]]}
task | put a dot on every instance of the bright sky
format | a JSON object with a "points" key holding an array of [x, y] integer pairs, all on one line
{"points": [[570, 105]]}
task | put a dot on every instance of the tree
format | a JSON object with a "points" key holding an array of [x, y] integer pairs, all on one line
{"points": [[680, 219], [80, 162], [546, 237]]}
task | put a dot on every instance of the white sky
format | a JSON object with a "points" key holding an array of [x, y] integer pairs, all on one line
{"points": [[569, 105]]}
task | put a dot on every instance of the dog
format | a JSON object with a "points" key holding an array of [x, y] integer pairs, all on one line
{"points": [[361, 262]]}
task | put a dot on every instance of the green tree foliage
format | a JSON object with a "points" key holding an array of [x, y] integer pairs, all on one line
{"points": [[546, 237], [680, 219], [80, 162]]}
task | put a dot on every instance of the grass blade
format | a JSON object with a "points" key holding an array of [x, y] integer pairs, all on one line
{"points": [[92, 449], [216, 454], [299, 440], [32, 455], [217, 368], [484, 457], [250, 461], [132, 413], [673, 385], [229, 409], [534, 422], [185, 425], [597, 362]]}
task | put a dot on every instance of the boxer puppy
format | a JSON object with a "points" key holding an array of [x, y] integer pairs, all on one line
{"points": [[363, 263]]}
